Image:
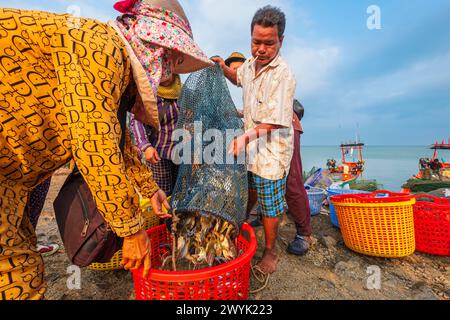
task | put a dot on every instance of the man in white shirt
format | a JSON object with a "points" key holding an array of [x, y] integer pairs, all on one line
{"points": [[268, 91]]}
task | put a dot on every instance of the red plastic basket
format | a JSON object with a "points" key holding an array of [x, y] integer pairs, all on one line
{"points": [[228, 281], [432, 225]]}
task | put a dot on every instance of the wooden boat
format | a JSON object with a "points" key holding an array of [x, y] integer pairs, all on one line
{"points": [[348, 171], [433, 173]]}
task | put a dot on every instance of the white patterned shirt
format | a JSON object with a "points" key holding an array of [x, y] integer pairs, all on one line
{"points": [[268, 99]]}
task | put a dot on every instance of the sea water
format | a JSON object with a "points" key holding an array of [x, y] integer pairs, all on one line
{"points": [[391, 166]]}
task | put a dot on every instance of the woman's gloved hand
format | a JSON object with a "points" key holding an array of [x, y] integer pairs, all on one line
{"points": [[136, 251]]}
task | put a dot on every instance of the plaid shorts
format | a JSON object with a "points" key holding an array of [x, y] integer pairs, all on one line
{"points": [[165, 175], [271, 195]]}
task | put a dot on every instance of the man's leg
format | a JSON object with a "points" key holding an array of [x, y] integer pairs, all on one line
{"points": [[252, 196], [297, 198], [269, 261], [271, 196], [21, 266]]}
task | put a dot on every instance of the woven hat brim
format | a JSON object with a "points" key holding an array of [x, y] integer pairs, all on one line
{"points": [[176, 39]]}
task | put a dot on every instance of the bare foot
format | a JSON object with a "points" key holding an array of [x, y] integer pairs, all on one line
{"points": [[269, 262]]}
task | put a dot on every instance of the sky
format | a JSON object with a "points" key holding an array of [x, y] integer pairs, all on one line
{"points": [[387, 86]]}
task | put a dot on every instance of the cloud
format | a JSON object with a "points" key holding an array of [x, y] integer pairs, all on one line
{"points": [[404, 106], [382, 81], [312, 66], [221, 27], [417, 78], [101, 10]]}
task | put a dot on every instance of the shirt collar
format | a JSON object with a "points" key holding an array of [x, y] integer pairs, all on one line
{"points": [[273, 64]]}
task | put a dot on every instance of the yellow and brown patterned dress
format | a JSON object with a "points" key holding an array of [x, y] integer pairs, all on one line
{"points": [[61, 81]]}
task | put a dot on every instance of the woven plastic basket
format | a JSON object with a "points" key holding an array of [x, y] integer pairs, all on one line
{"points": [[228, 281], [337, 192], [151, 221], [315, 197], [432, 225], [379, 224]]}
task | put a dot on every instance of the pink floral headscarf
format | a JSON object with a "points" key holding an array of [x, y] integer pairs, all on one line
{"points": [[156, 60]]}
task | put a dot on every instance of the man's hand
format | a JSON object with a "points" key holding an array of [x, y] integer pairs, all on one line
{"points": [[220, 61], [158, 200], [229, 73], [136, 251], [151, 155], [238, 145]]}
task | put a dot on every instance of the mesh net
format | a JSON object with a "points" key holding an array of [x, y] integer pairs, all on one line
{"points": [[210, 181]]}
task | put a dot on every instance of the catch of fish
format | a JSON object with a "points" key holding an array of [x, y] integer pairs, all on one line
{"points": [[199, 242]]}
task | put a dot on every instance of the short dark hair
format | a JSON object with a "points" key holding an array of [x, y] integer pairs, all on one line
{"points": [[268, 17]]}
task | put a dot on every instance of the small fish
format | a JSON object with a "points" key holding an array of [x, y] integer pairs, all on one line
{"points": [[182, 247], [202, 241]]}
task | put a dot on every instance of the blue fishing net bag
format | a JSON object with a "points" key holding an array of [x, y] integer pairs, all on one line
{"points": [[210, 181]]}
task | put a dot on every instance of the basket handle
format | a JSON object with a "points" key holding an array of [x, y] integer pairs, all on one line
{"points": [[308, 187], [385, 192], [430, 198]]}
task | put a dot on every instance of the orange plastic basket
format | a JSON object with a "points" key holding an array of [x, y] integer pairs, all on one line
{"points": [[379, 224], [228, 281], [432, 225]]}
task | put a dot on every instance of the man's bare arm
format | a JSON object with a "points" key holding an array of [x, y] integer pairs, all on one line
{"points": [[229, 73], [238, 145]]}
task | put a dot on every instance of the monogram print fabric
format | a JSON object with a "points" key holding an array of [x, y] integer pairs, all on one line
{"points": [[21, 266], [61, 81]]}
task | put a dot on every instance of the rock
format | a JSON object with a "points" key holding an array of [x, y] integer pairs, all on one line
{"points": [[340, 267], [348, 269], [418, 285], [412, 259], [390, 284], [259, 233], [328, 241], [355, 262], [328, 284], [52, 277], [41, 235], [425, 294], [54, 238], [46, 219]]}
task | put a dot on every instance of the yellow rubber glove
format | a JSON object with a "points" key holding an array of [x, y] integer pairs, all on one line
{"points": [[136, 251], [145, 204]]}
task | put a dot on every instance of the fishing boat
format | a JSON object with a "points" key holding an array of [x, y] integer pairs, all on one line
{"points": [[433, 173], [347, 175], [348, 171]]}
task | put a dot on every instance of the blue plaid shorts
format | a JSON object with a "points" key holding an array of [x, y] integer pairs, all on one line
{"points": [[271, 195]]}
